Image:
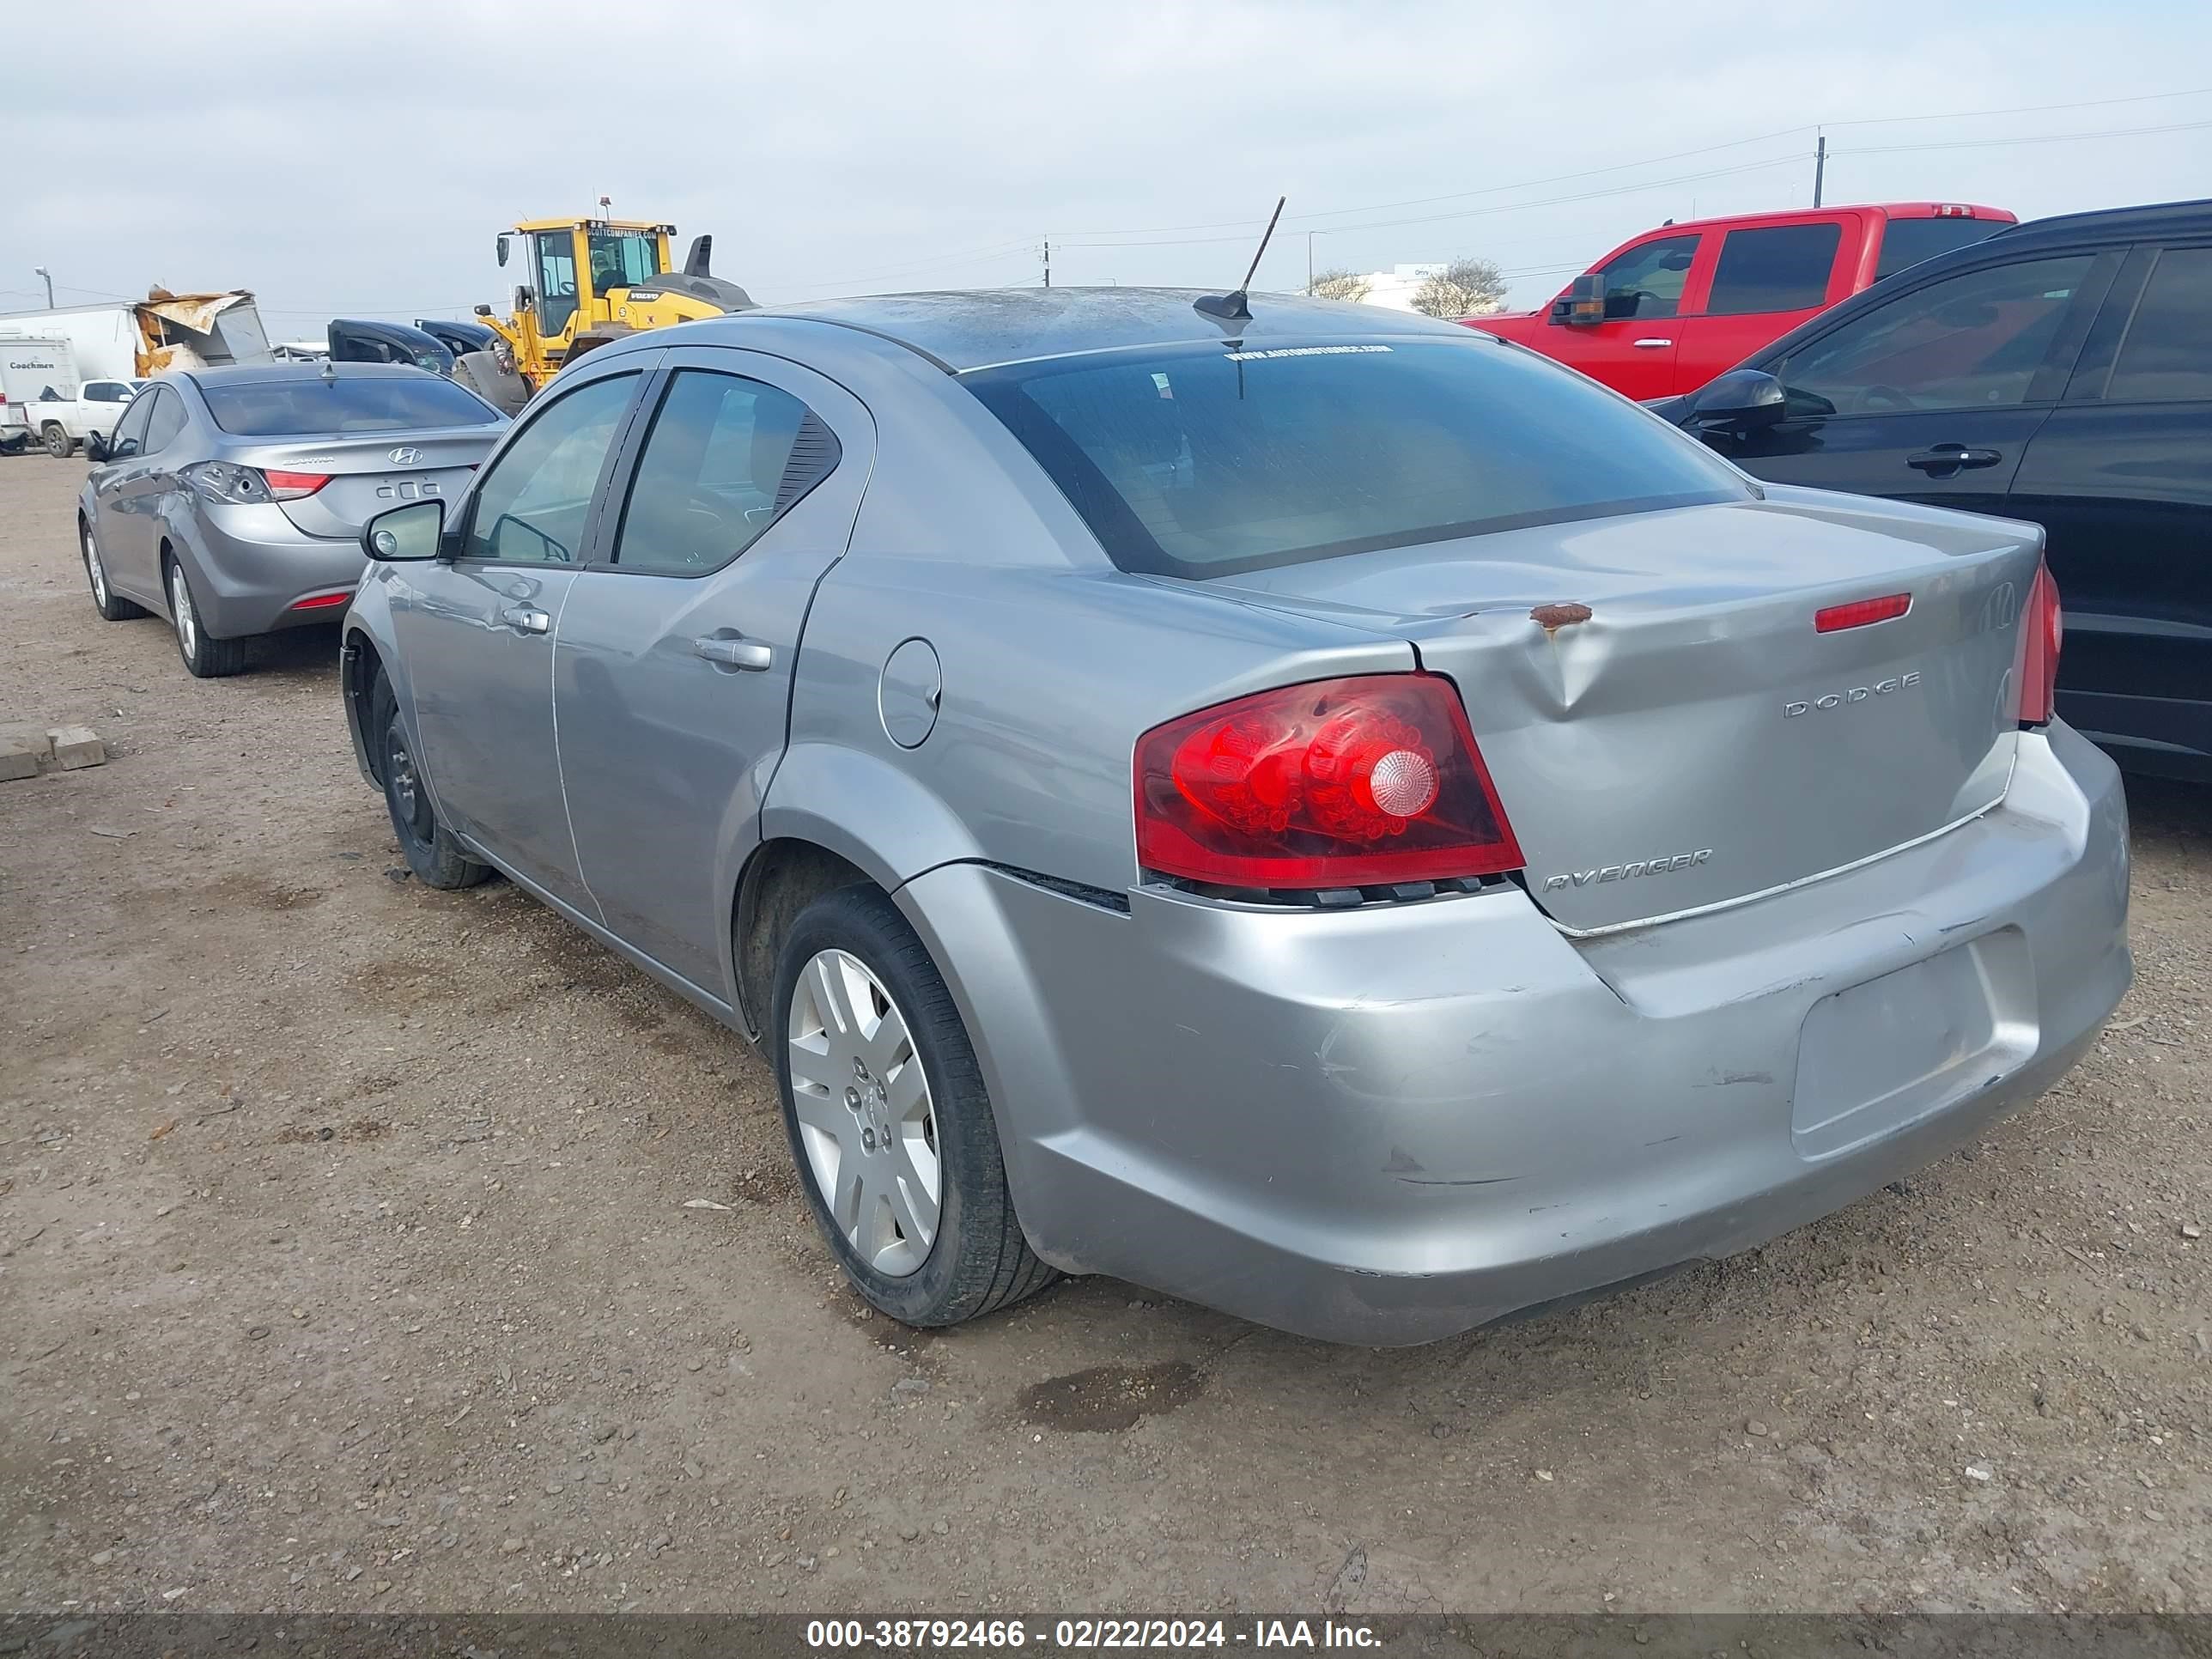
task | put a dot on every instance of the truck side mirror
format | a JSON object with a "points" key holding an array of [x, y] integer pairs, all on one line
{"points": [[1742, 400], [502, 250], [481, 310], [1583, 304]]}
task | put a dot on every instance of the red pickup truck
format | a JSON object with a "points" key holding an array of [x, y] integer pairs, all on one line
{"points": [[1664, 314]]}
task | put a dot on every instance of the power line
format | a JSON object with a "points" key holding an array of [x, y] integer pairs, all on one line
{"points": [[2032, 138]]}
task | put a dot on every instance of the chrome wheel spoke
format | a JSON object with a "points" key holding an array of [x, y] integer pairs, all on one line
{"points": [[866, 1122]]}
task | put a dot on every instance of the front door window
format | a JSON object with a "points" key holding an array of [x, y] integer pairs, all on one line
{"points": [[531, 507], [556, 280]]}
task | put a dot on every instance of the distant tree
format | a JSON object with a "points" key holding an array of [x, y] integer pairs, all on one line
{"points": [[1348, 285], [1465, 288]]}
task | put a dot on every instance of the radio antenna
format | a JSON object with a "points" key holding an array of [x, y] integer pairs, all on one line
{"points": [[1234, 307]]}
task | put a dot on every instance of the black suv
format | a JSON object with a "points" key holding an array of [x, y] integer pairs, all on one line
{"points": [[2059, 372]]}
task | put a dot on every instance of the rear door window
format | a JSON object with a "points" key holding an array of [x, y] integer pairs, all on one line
{"points": [[314, 406], [1774, 268], [1973, 341], [725, 457], [2166, 356], [166, 420], [1204, 460]]}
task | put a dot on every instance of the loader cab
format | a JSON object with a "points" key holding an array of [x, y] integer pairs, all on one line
{"points": [[575, 266]]}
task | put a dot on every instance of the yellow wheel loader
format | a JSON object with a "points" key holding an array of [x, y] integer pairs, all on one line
{"points": [[588, 281]]}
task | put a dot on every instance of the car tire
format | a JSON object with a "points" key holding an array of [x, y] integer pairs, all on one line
{"points": [[428, 846], [205, 657], [56, 440], [112, 606], [865, 1098]]}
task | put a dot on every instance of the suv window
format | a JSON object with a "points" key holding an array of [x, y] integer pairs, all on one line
{"points": [[724, 459], [166, 420], [1203, 460], [1973, 341], [1647, 280], [532, 505], [1774, 268], [2167, 354]]}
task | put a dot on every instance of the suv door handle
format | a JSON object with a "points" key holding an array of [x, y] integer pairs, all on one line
{"points": [[1647, 344], [1946, 458], [526, 619], [734, 650]]}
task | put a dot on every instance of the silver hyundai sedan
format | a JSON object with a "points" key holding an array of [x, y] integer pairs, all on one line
{"points": [[1320, 812], [231, 500]]}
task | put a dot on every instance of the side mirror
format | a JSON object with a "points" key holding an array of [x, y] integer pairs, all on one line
{"points": [[95, 448], [1583, 306], [481, 310], [405, 533], [1741, 400], [502, 250]]}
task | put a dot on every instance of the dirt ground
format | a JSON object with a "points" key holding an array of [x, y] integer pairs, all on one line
{"points": [[345, 1264]]}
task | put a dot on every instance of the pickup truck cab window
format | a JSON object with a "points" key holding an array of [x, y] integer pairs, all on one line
{"points": [[1647, 280], [1774, 268]]}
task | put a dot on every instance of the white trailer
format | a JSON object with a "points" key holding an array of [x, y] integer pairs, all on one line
{"points": [[42, 397], [133, 339]]}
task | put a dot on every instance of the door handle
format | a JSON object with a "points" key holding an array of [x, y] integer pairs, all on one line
{"points": [[738, 653], [1648, 344], [526, 619], [1944, 459]]}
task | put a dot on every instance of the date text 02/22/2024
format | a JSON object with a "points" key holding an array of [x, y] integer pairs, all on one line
{"points": [[830, 1635]]}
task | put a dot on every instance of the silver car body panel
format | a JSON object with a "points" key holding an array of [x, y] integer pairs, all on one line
{"points": [[1380, 1124]]}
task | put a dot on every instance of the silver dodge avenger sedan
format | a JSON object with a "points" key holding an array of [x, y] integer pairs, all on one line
{"points": [[1320, 812]]}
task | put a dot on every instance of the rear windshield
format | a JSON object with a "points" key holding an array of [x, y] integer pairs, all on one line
{"points": [[1908, 241], [1206, 460], [314, 406]]}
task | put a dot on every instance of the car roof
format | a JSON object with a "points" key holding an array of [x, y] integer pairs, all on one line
{"points": [[980, 328], [2112, 224], [263, 373]]}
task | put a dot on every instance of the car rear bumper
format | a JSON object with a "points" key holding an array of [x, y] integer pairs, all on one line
{"points": [[1389, 1124], [252, 567]]}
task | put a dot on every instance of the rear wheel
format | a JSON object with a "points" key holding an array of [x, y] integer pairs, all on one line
{"points": [[111, 605], [57, 440], [430, 850], [889, 1121], [206, 657]]}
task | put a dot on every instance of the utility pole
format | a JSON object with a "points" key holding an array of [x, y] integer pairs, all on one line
{"points": [[40, 270], [1048, 262], [1820, 167], [1310, 236]]}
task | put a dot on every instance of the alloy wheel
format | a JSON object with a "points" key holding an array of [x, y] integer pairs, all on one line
{"points": [[867, 1119], [94, 569], [180, 607]]}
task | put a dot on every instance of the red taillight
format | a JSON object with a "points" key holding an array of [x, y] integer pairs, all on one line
{"points": [[291, 486], [1337, 783], [2042, 630], [320, 600], [1860, 612]]}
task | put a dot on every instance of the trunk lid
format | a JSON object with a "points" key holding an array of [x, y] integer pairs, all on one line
{"points": [[369, 473], [1694, 740]]}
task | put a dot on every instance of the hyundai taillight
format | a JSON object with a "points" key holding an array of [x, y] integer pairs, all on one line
{"points": [[2042, 630], [245, 486], [1336, 783]]}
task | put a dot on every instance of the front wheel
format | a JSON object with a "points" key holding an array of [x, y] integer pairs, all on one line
{"points": [[430, 850], [205, 657], [889, 1121]]}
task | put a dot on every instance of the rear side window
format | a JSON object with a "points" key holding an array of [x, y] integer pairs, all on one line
{"points": [[727, 457], [1908, 241], [1206, 460], [1775, 268], [2167, 354], [283, 409], [166, 421]]}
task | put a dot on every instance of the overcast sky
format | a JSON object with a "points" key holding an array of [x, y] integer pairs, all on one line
{"points": [[359, 160]]}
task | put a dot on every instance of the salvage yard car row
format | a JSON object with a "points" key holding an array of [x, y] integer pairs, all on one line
{"points": [[1167, 785]]}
